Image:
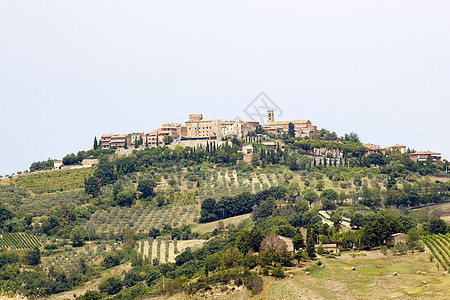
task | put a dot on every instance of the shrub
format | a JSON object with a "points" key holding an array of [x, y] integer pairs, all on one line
{"points": [[255, 284], [278, 272], [401, 247], [111, 260], [320, 250], [91, 295], [68, 248], [250, 261], [110, 285]]}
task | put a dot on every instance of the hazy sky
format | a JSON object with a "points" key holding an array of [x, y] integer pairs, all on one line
{"points": [[72, 70]]}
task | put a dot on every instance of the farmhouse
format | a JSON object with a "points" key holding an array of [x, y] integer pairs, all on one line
{"points": [[398, 237]]}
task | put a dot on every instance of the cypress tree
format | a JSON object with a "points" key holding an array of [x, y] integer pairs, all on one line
{"points": [[157, 139], [310, 250], [95, 143]]}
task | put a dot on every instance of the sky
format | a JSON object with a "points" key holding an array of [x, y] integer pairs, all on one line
{"points": [[72, 70]]}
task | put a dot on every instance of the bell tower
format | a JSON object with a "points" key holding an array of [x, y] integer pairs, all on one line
{"points": [[270, 116]]}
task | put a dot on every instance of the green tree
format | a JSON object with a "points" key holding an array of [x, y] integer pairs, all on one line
{"points": [[336, 218], [91, 295], [291, 131], [329, 194], [125, 198], [92, 186], [264, 210], [111, 260], [33, 256], [320, 250], [167, 140], [95, 143], [298, 241], [351, 137], [286, 230], [105, 171], [293, 189], [146, 187], [126, 164], [232, 258], [401, 247], [327, 204], [310, 196], [300, 255], [436, 226], [292, 161], [278, 272], [132, 277], [110, 285], [320, 185], [5, 215], [412, 239], [256, 236], [243, 240], [310, 250], [152, 275], [78, 235]]}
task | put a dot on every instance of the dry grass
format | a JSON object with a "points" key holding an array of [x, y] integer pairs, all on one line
{"points": [[439, 211], [209, 227], [372, 279], [181, 246]]}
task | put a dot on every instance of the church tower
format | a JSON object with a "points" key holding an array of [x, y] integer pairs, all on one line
{"points": [[270, 116]]}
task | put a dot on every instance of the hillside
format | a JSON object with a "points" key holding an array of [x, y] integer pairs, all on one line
{"points": [[199, 218]]}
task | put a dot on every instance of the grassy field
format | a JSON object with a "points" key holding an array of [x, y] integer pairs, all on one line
{"points": [[50, 182], [372, 279], [441, 211]]}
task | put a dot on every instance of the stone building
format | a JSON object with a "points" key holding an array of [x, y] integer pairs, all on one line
{"points": [[154, 138], [302, 128], [398, 149], [398, 237], [108, 141], [172, 129], [424, 155], [198, 128]]}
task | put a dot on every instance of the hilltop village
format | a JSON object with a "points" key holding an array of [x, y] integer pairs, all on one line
{"points": [[197, 131]]}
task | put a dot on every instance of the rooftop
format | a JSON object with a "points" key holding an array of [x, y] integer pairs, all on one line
{"points": [[426, 153], [398, 146], [286, 122]]}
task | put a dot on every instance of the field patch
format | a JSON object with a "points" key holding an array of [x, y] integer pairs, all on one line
{"points": [[372, 279], [209, 227], [54, 181], [18, 241]]}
